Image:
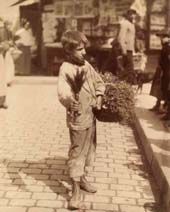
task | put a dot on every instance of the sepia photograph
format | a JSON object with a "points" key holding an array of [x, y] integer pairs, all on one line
{"points": [[85, 105]]}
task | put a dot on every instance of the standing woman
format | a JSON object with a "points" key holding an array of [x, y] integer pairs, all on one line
{"points": [[9, 62], [3, 83], [25, 40]]}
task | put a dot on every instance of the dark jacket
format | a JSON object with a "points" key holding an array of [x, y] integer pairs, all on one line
{"points": [[164, 63]]}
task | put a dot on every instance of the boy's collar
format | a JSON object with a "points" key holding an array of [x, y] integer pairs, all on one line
{"points": [[73, 61]]}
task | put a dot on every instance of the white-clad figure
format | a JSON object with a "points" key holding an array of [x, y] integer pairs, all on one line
{"points": [[24, 43], [9, 66], [9, 62], [3, 77], [3, 80]]}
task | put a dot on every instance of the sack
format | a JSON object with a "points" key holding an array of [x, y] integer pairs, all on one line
{"points": [[104, 115]]}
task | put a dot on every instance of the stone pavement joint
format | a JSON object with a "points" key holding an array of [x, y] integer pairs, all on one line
{"points": [[34, 142]]}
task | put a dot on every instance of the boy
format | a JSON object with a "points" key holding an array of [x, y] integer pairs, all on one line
{"points": [[79, 105]]}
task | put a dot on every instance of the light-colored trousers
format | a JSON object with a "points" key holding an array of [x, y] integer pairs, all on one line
{"points": [[82, 151]]}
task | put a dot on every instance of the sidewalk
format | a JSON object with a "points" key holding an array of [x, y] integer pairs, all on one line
{"points": [[34, 143], [155, 139], [27, 80]]}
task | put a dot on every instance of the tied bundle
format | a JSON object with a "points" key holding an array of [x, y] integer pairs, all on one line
{"points": [[76, 83]]}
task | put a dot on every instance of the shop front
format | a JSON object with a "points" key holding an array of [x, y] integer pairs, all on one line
{"points": [[98, 19]]}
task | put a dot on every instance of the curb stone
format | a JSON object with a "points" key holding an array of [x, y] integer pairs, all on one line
{"points": [[154, 164]]}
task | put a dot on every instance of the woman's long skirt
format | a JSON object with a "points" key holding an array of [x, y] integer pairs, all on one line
{"points": [[3, 84], [156, 90]]}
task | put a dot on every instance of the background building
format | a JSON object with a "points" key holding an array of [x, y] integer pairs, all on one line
{"points": [[98, 19]]}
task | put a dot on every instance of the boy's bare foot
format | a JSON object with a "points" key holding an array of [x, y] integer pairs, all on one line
{"points": [[74, 202]]}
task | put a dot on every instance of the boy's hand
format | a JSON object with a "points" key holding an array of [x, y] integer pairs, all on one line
{"points": [[74, 106], [99, 102]]}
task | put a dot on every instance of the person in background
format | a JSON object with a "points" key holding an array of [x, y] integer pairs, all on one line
{"points": [[126, 38], [9, 62], [160, 84], [140, 37], [165, 66], [80, 90], [3, 78], [114, 61], [24, 42], [140, 60], [156, 90]]}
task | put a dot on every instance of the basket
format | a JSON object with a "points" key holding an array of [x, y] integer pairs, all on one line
{"points": [[118, 103], [105, 115]]}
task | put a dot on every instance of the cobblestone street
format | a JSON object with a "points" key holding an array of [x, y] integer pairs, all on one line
{"points": [[34, 142]]}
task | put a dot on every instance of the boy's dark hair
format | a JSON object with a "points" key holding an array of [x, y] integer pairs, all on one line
{"points": [[71, 39]]}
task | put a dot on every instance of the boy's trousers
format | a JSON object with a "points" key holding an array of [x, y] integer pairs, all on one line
{"points": [[81, 152]]}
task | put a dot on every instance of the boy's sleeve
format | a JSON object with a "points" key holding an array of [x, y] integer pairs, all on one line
{"points": [[98, 83], [65, 94]]}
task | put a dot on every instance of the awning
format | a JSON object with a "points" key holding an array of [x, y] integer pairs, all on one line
{"points": [[140, 7], [24, 2]]}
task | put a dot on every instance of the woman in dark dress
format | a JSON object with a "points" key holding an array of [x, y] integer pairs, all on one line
{"points": [[156, 90], [165, 80], [160, 83]]}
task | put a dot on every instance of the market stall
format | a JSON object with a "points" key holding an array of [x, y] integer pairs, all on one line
{"points": [[158, 19], [97, 19]]}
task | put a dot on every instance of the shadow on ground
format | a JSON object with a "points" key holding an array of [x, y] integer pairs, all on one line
{"points": [[52, 172], [140, 167]]}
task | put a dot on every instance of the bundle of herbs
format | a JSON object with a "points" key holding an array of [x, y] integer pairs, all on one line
{"points": [[118, 102]]}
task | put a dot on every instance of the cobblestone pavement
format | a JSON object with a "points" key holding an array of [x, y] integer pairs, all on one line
{"points": [[33, 153]]}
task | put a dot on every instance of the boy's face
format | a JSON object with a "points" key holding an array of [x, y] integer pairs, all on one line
{"points": [[132, 17], [79, 53]]}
